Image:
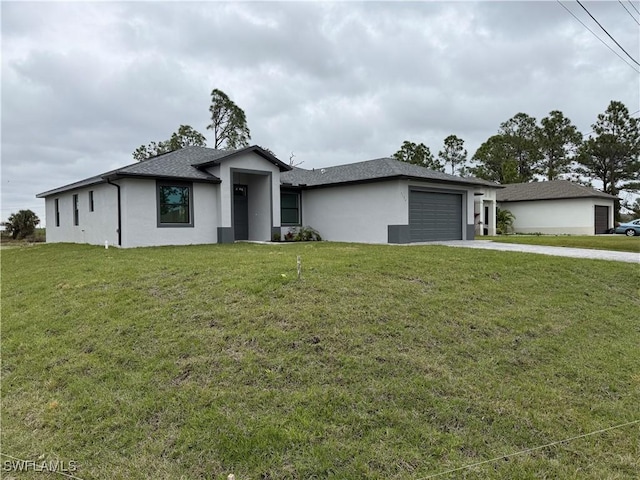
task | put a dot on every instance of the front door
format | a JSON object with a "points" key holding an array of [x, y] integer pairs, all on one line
{"points": [[240, 212]]}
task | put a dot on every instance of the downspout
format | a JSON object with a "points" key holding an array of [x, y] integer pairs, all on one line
{"points": [[119, 212]]}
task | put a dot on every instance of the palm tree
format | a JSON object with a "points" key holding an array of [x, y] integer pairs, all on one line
{"points": [[504, 220]]}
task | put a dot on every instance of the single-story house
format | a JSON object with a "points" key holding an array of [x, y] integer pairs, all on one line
{"points": [[557, 207], [199, 195]]}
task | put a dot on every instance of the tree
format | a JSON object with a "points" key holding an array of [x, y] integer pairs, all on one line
{"points": [[558, 140], [495, 161], [21, 224], [511, 156], [228, 122], [453, 153], [417, 155], [504, 220], [521, 132], [186, 136], [635, 208], [613, 155]]}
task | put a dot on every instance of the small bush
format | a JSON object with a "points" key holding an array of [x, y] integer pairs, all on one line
{"points": [[302, 234], [276, 237]]}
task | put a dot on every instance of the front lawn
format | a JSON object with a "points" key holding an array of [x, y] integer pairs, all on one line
{"points": [[381, 362], [620, 243]]}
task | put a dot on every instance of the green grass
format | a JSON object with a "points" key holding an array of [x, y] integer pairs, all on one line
{"points": [[382, 362], [620, 243]]}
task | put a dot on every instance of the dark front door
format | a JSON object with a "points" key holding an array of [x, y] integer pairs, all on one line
{"points": [[240, 212]]}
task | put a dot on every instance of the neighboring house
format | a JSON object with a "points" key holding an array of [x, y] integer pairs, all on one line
{"points": [[557, 207], [200, 195]]}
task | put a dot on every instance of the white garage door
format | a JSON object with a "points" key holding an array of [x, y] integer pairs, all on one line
{"points": [[434, 216]]}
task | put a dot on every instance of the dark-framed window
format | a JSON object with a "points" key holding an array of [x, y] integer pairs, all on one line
{"points": [[175, 204], [57, 207], [290, 208], [91, 200], [76, 213]]}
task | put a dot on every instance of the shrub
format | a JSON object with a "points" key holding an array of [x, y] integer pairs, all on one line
{"points": [[22, 224], [302, 234], [504, 221]]}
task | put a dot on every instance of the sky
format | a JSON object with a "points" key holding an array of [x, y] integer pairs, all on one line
{"points": [[85, 83]]}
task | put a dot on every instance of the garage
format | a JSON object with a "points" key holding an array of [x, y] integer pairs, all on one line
{"points": [[434, 216], [601, 219]]}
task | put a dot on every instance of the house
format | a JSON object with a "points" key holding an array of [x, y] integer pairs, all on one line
{"points": [[557, 207], [199, 195]]}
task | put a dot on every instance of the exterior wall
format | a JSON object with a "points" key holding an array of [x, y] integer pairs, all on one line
{"points": [[249, 163], [356, 213], [486, 199], [259, 194], [557, 217], [140, 216], [93, 227], [364, 212]]}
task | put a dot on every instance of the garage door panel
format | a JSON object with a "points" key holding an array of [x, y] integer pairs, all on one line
{"points": [[434, 216], [601, 219]]}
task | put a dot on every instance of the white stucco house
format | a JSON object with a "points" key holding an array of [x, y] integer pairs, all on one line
{"points": [[557, 207], [199, 195]]}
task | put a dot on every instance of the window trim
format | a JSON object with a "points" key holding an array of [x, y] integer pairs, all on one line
{"points": [[189, 185], [91, 203], [57, 211], [76, 211], [298, 208]]}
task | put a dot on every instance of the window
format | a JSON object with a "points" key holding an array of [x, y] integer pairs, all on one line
{"points": [[76, 214], [290, 208], [57, 206], [91, 200], [174, 205]]}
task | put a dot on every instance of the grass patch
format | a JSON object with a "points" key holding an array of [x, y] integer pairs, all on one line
{"points": [[381, 362], [619, 243]]}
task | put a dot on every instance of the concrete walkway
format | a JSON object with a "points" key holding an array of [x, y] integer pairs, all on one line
{"points": [[629, 257]]}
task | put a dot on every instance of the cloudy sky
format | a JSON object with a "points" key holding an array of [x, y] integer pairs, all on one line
{"points": [[85, 83]]}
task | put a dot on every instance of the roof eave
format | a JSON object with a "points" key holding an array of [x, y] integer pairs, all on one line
{"points": [[119, 175], [393, 177], [554, 198], [71, 186]]}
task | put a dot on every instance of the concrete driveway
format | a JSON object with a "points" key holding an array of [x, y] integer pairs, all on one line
{"points": [[629, 257]]}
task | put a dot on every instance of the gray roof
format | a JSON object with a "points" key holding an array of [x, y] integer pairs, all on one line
{"points": [[556, 189], [371, 171], [185, 164]]}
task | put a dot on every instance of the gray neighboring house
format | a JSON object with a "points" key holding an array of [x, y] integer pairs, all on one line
{"points": [[199, 195], [557, 207]]}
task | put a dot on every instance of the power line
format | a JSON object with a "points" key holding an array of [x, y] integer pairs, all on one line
{"points": [[630, 14], [634, 7], [595, 35], [528, 450], [593, 131], [608, 34]]}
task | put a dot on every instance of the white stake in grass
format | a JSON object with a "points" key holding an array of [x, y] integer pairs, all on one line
{"points": [[299, 267]]}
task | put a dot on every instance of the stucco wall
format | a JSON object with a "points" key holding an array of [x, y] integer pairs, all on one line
{"points": [[363, 212], [259, 204], [356, 213], [558, 217], [249, 163], [140, 216], [94, 227]]}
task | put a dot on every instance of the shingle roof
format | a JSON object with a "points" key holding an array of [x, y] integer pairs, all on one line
{"points": [[369, 171], [185, 164], [556, 189]]}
